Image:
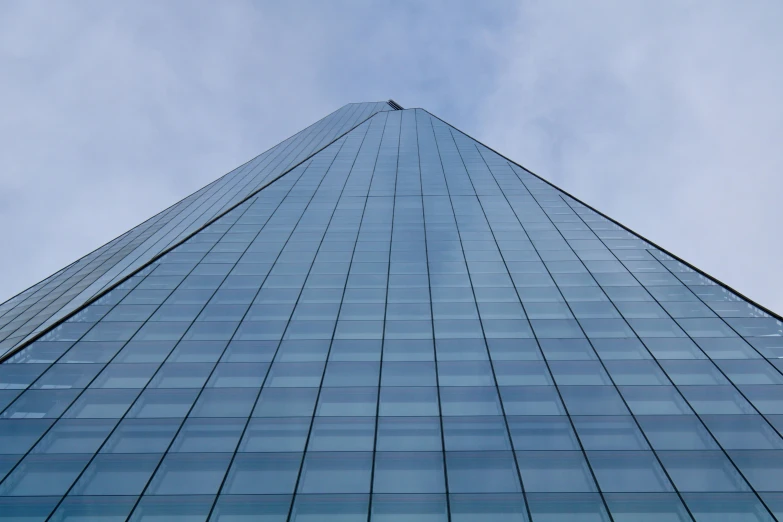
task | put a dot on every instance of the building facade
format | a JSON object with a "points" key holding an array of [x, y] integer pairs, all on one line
{"points": [[383, 319]]}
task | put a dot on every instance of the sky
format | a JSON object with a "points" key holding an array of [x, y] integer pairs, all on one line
{"points": [[666, 115]]}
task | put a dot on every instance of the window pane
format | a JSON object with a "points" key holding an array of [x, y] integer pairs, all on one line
{"points": [[39, 475], [240, 508], [542, 433], [593, 400], [531, 400], [116, 475], [142, 436], [68, 436], [702, 471], [263, 473], [336, 473], [646, 507], [628, 471], [224, 402], [482, 472], [475, 433], [347, 402], [561, 471], [470, 401], [18, 435], [409, 434], [107, 509], [190, 474], [726, 507], [330, 508], [676, 432], [609, 433], [497, 507], [399, 401], [401, 472], [409, 508], [187, 508], [287, 434], [208, 435], [285, 402], [743, 432], [557, 507], [342, 434]]}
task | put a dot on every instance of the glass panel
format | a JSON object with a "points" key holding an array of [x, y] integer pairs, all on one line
{"points": [[224, 402], [402, 472], [531, 400], [88, 509], [241, 508], [263, 473], [409, 434], [762, 468], [208, 435], [702, 471], [71, 436], [475, 433], [561, 471], [142, 436], [726, 507], [557, 507], [542, 433], [409, 508], [330, 508], [336, 473], [593, 400], [286, 402], [676, 432], [189, 474], [628, 471], [743, 432], [342, 434], [482, 472], [646, 507], [41, 475], [188, 508], [609, 433], [111, 474], [288, 434], [18, 435]]}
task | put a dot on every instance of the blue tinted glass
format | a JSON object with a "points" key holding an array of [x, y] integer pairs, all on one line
{"points": [[628, 471], [554, 507], [643, 507], [726, 507], [702, 471], [403, 472], [480, 472], [111, 474], [41, 475], [189, 474], [263, 473], [109, 508], [336, 473]]}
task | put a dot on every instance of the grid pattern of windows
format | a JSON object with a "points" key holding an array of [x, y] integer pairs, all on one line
{"points": [[405, 327], [55, 297]]}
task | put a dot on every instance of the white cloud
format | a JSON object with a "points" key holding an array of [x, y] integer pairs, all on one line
{"points": [[663, 115]]}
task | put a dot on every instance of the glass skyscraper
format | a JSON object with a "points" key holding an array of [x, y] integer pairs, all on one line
{"points": [[381, 319]]}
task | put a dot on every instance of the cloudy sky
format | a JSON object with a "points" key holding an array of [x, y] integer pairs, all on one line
{"points": [[665, 115]]}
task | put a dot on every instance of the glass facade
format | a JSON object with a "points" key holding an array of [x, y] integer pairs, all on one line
{"points": [[405, 326]]}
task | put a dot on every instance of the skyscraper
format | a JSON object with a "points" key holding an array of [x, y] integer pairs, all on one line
{"points": [[383, 319]]}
